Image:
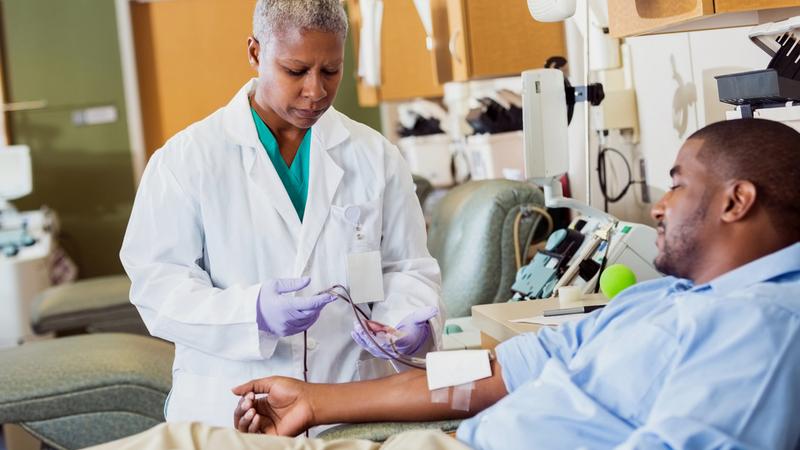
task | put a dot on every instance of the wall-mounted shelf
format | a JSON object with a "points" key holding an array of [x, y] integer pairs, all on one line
{"points": [[638, 17]]}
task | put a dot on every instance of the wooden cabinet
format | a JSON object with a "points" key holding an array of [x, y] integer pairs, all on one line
{"points": [[191, 58], [491, 38], [723, 6], [470, 39], [406, 66], [634, 17]]}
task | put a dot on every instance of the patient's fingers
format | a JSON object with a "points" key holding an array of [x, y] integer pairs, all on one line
{"points": [[255, 424], [260, 386], [238, 412], [244, 422], [238, 406], [244, 388], [247, 401]]}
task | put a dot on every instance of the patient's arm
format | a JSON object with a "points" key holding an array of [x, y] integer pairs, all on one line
{"points": [[293, 406]]}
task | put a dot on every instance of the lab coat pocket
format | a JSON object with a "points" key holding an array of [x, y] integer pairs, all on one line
{"points": [[359, 225], [201, 398]]}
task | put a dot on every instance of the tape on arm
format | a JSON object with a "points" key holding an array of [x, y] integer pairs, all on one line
{"points": [[459, 370]]}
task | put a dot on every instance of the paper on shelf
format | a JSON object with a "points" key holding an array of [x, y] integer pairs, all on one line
{"points": [[552, 321]]}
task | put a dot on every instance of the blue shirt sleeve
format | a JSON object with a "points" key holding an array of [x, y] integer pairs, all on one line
{"points": [[523, 357], [723, 354]]}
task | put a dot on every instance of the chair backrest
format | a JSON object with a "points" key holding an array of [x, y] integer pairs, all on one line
{"points": [[471, 236], [423, 188]]}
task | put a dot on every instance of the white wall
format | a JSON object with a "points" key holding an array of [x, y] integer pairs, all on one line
{"points": [[673, 75], [675, 100]]}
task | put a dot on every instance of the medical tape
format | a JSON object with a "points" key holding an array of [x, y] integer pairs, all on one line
{"points": [[441, 395], [462, 395]]}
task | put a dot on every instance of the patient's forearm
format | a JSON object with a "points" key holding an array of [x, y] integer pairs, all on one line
{"points": [[402, 397]]}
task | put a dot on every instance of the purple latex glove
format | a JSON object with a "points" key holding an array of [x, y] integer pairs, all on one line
{"points": [[413, 331], [284, 315]]}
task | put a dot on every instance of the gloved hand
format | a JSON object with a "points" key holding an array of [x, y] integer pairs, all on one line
{"points": [[283, 315], [409, 335]]}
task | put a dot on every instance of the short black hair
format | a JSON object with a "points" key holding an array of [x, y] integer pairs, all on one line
{"points": [[764, 152]]}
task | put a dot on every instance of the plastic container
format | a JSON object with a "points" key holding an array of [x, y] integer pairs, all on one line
{"points": [[429, 156], [496, 155]]}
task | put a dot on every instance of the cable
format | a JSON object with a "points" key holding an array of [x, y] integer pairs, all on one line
{"points": [[305, 356], [602, 176], [524, 210], [342, 293], [517, 256], [305, 360], [529, 241], [544, 213]]}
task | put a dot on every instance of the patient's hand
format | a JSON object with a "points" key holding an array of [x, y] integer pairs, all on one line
{"points": [[285, 410]]}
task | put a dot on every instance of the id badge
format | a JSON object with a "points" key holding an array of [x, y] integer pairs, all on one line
{"points": [[364, 270], [365, 277]]}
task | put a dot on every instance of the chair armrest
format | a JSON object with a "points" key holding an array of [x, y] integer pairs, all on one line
{"points": [[380, 431], [84, 390], [94, 305]]}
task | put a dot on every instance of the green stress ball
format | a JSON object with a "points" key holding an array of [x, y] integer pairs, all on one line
{"points": [[615, 278]]}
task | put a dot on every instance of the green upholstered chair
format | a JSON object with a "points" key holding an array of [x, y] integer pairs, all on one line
{"points": [[423, 188], [84, 390], [471, 236], [87, 306]]}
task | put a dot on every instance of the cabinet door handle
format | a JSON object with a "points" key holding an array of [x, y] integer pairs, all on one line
{"points": [[24, 106], [452, 45]]}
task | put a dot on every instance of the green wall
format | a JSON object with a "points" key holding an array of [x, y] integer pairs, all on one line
{"points": [[347, 99], [67, 53]]}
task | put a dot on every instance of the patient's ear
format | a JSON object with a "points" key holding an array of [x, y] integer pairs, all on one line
{"points": [[740, 197]]}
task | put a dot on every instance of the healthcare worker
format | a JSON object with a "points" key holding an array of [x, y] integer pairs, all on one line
{"points": [[243, 218]]}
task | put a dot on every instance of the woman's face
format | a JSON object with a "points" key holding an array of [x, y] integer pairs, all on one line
{"points": [[298, 74]]}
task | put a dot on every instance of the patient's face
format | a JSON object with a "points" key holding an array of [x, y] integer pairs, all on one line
{"points": [[682, 215]]}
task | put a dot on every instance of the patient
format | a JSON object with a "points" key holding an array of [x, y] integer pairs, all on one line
{"points": [[704, 358]]}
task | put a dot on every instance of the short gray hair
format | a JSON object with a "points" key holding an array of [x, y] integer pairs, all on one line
{"points": [[273, 16]]}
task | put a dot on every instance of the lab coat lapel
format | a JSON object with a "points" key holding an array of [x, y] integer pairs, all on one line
{"points": [[325, 176], [268, 189], [264, 184]]}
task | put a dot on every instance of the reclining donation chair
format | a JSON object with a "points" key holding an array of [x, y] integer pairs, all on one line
{"points": [[93, 305], [79, 391], [83, 390], [472, 237]]}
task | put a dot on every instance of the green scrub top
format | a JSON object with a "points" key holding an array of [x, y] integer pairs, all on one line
{"points": [[294, 177]]}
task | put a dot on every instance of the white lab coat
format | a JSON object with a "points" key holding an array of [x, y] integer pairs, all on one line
{"points": [[212, 221]]}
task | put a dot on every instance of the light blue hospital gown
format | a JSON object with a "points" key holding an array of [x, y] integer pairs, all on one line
{"points": [[665, 365]]}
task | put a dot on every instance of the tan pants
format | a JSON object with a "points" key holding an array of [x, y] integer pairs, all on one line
{"points": [[168, 436]]}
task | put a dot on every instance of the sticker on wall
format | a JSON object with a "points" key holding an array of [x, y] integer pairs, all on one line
{"points": [[97, 115], [685, 96]]}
